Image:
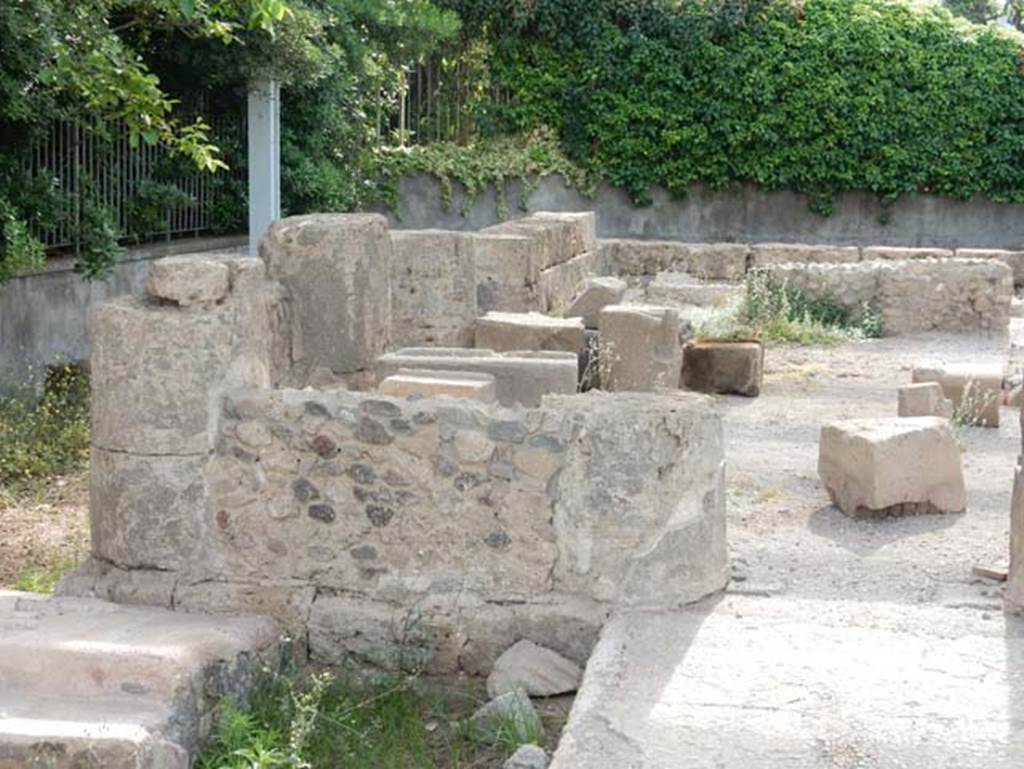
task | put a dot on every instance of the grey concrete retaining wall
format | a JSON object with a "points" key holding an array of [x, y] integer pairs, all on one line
{"points": [[43, 315], [744, 214]]}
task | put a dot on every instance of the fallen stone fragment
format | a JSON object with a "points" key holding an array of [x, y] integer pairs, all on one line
{"points": [[878, 467], [985, 572], [510, 715], [527, 757], [724, 367], [597, 294], [537, 670], [188, 280], [976, 391], [925, 399]]}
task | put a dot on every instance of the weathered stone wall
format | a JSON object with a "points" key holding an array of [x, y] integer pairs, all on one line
{"points": [[914, 295], [436, 532], [159, 369]]}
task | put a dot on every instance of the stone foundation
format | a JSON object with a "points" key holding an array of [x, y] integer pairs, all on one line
{"points": [[233, 471]]}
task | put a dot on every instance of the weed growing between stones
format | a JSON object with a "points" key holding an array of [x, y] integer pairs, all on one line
{"points": [[44, 580], [970, 411], [775, 312], [44, 430], [319, 722]]}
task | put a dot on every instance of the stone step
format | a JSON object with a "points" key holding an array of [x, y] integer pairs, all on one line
{"points": [[61, 732], [138, 682], [743, 682]]}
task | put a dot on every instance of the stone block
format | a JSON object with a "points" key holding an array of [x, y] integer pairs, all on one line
{"points": [[712, 261], [640, 527], [900, 253], [583, 227], [158, 369], [924, 400], [976, 391], [556, 237], [596, 294], [640, 347], [724, 367], [680, 289], [433, 384], [558, 285], [764, 254], [187, 280], [537, 670], [146, 511], [508, 331], [521, 378], [433, 288], [1013, 259], [507, 272], [1015, 578], [899, 466], [336, 272]]}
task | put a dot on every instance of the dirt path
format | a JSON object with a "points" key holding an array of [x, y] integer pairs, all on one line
{"points": [[784, 535]]}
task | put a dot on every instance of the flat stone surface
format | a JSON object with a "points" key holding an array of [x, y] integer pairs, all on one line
{"points": [[119, 686], [780, 683], [430, 384], [512, 331], [187, 280]]}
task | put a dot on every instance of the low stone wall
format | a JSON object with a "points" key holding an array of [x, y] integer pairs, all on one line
{"points": [[913, 296], [423, 532]]}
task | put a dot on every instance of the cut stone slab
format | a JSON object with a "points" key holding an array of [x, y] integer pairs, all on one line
{"points": [[537, 670], [783, 683], [679, 289], [597, 294], [924, 400], [765, 254], [187, 280], [521, 378], [879, 467], [640, 347], [431, 384], [975, 390], [527, 757], [724, 367], [123, 687], [511, 711], [513, 331], [336, 271]]}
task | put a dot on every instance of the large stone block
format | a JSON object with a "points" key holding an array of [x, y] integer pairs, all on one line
{"points": [[158, 369], [640, 347], [596, 294], [431, 384], [336, 271], [1013, 259], [433, 288], [924, 400], [878, 467], [724, 367], [556, 237], [558, 285], [186, 280], [507, 272], [146, 511], [764, 254], [1015, 580], [712, 261], [641, 526], [522, 378], [509, 331], [976, 391], [899, 253]]}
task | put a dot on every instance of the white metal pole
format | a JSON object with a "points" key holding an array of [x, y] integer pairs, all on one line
{"points": [[264, 159]]}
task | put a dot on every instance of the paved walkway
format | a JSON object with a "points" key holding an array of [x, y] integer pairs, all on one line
{"points": [[841, 644]]}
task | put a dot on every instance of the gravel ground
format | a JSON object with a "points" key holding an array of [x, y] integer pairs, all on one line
{"points": [[785, 537], [45, 533]]}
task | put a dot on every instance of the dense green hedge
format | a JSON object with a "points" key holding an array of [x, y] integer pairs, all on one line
{"points": [[820, 96]]}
